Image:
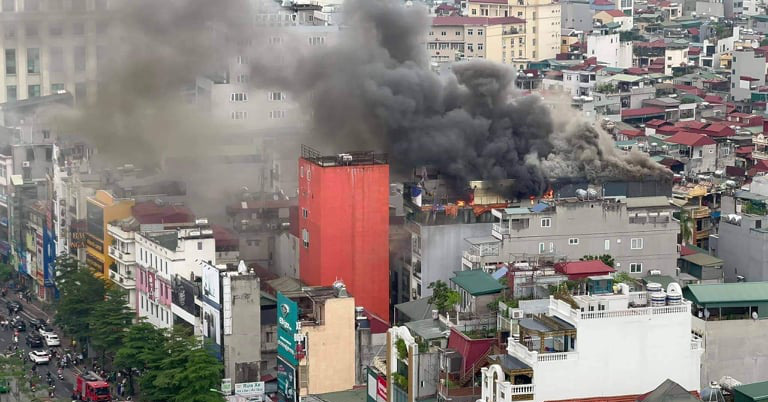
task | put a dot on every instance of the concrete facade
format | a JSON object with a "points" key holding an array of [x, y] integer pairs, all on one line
{"points": [[744, 248], [242, 344], [638, 232], [576, 14], [436, 252], [734, 348], [748, 73], [609, 49]]}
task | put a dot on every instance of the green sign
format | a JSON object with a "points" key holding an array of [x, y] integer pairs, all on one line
{"points": [[226, 385], [287, 316], [286, 382]]}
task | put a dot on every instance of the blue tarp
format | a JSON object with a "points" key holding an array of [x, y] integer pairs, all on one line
{"points": [[539, 207], [500, 273]]}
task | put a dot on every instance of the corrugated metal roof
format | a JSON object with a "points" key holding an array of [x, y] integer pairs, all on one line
{"points": [[477, 282], [704, 260], [517, 211], [647, 202], [729, 292], [757, 391], [417, 309]]}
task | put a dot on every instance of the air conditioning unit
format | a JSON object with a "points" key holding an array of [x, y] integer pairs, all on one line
{"points": [[516, 313], [25, 164], [654, 272]]}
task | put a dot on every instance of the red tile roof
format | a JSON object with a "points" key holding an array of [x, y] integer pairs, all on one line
{"points": [[745, 150], [713, 99], [150, 212], [655, 123], [694, 31], [224, 237], [615, 13], [690, 139], [697, 125], [667, 130], [748, 78], [583, 269], [489, 1], [719, 130], [632, 133], [643, 111], [603, 3], [686, 251]]}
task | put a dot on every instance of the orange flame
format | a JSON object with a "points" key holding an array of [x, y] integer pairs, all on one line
{"points": [[460, 203], [550, 194]]}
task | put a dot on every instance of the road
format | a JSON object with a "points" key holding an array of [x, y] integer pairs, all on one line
{"points": [[30, 311]]}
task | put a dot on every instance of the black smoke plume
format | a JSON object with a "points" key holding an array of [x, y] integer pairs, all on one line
{"points": [[375, 89]]}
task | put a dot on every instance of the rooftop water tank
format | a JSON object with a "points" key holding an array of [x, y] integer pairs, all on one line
{"points": [[653, 287], [658, 299], [581, 194]]}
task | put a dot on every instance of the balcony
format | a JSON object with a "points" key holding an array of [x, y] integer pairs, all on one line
{"points": [[533, 358], [500, 230], [121, 255], [124, 281]]}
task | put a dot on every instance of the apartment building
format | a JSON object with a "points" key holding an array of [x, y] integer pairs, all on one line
{"points": [[499, 39], [575, 340], [747, 73], [542, 22], [638, 233], [160, 257], [44, 55]]}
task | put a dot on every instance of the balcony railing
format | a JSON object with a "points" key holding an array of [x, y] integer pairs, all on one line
{"points": [[564, 310], [500, 229], [122, 256], [531, 358]]}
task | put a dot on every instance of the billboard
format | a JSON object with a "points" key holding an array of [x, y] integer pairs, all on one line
{"points": [[286, 382], [287, 317]]}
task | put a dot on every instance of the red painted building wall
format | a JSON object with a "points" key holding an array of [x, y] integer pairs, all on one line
{"points": [[344, 213]]}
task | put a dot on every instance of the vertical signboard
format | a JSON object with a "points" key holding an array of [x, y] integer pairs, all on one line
{"points": [[286, 381], [287, 317]]}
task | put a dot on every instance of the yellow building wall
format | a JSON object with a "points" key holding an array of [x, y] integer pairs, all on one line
{"points": [[112, 209], [331, 349]]}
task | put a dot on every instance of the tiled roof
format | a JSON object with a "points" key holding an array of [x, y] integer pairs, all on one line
{"points": [[615, 13], [643, 111], [476, 282], [596, 267], [150, 212], [690, 139], [738, 292]]}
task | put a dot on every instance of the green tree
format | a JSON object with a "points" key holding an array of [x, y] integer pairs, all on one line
{"points": [[443, 297], [6, 272], [685, 226], [80, 293], [182, 370], [622, 277], [607, 259], [140, 341], [108, 322]]}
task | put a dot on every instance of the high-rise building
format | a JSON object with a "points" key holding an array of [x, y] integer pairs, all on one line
{"points": [[101, 209], [42, 55], [344, 224]]}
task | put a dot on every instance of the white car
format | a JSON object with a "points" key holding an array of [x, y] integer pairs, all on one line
{"points": [[52, 340], [39, 357], [45, 331]]}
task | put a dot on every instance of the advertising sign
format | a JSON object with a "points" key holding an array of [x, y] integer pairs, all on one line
{"points": [[287, 316], [249, 388], [286, 381], [381, 391], [226, 385]]}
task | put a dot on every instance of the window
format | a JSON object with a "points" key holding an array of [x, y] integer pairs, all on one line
{"points": [[100, 5], [33, 91], [78, 5], [469, 32], [238, 97], [30, 154], [10, 61], [33, 61], [474, 11], [305, 237], [80, 92], [275, 40], [636, 243], [10, 32], [239, 115], [443, 33], [479, 46], [242, 78], [305, 213], [546, 222], [551, 247], [30, 30], [48, 152], [458, 33], [199, 245], [317, 41], [79, 54], [309, 175], [635, 268], [241, 60], [55, 5], [55, 29], [573, 241], [78, 28], [276, 96], [542, 248], [479, 32], [56, 59], [9, 5], [607, 245], [277, 114], [11, 94]]}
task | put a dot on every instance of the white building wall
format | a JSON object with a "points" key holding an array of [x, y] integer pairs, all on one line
{"points": [[609, 50], [620, 353], [674, 58]]}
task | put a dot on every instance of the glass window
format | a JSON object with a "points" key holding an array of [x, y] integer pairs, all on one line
{"points": [[80, 92], [33, 91], [55, 29], [10, 61], [33, 61], [573, 241], [635, 268], [78, 5], [56, 59], [79, 58], [31, 30], [9, 5], [10, 93], [546, 222], [636, 243], [78, 28]]}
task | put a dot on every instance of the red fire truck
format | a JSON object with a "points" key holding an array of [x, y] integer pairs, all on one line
{"points": [[91, 388]]}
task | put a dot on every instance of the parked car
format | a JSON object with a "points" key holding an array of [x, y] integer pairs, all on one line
{"points": [[19, 325], [39, 357], [46, 330], [52, 340], [14, 306], [34, 340]]}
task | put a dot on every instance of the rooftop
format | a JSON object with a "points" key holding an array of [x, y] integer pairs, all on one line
{"points": [[165, 239], [704, 260], [155, 212], [757, 391], [584, 267], [462, 20], [356, 158], [728, 292], [690, 139], [476, 282]]}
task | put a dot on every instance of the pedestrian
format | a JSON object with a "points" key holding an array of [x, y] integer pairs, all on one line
{"points": [[119, 390]]}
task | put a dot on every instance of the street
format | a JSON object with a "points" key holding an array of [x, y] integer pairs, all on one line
{"points": [[30, 311]]}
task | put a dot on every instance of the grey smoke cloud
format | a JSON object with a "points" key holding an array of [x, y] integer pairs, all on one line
{"points": [[375, 89]]}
